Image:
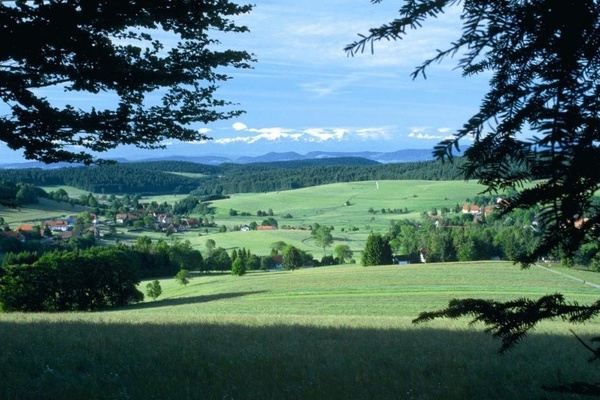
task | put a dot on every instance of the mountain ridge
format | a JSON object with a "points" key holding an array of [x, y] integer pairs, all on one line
{"points": [[399, 156]]}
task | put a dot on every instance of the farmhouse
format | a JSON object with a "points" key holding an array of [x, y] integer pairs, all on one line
{"points": [[165, 219], [278, 258], [123, 218], [190, 222], [57, 225], [476, 210], [471, 209]]}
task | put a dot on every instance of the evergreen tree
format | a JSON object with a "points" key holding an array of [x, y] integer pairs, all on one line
{"points": [[238, 267], [377, 251], [538, 122]]}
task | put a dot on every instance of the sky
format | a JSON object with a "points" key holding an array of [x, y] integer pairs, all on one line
{"points": [[305, 93]]}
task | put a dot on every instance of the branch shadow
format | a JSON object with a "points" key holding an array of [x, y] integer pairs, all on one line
{"points": [[190, 300]]}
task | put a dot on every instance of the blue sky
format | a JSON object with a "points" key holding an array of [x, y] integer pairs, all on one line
{"points": [[306, 94]]}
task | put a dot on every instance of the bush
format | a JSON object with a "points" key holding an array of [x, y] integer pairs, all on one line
{"points": [[79, 280]]}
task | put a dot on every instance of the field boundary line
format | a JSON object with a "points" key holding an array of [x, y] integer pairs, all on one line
{"points": [[594, 285]]}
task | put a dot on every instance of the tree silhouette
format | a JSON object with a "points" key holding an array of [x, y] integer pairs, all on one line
{"points": [[157, 62], [536, 134]]}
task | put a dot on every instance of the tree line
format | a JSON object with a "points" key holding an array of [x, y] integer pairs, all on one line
{"points": [[464, 237], [168, 177], [85, 277]]}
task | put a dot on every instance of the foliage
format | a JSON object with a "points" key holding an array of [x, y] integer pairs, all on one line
{"points": [[343, 252], [238, 267], [543, 81], [111, 47], [292, 258], [153, 289], [183, 277], [218, 260], [78, 280], [163, 177], [544, 61], [184, 256], [322, 237], [267, 263], [377, 251]]}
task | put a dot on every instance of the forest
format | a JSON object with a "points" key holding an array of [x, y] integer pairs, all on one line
{"points": [[169, 177]]}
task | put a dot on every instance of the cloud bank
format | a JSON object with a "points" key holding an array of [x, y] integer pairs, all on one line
{"points": [[240, 133]]}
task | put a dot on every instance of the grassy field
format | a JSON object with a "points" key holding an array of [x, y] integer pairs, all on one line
{"points": [[340, 332], [44, 210], [326, 205]]}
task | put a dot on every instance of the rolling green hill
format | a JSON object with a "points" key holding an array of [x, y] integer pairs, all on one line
{"points": [[344, 206], [322, 333]]}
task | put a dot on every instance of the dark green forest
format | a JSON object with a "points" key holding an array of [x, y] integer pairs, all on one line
{"points": [[166, 177]]}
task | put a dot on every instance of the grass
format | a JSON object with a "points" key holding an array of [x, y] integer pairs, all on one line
{"points": [[326, 205], [44, 210], [323, 333], [322, 204]]}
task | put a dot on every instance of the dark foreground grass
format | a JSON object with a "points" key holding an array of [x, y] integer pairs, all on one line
{"points": [[77, 357], [323, 333]]}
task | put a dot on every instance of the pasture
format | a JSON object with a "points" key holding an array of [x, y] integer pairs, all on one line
{"points": [[322, 333], [44, 210], [345, 206]]}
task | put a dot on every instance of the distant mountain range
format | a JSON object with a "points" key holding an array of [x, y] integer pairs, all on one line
{"points": [[400, 156]]}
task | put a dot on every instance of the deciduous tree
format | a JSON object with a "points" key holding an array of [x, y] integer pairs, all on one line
{"points": [[292, 258], [343, 252], [183, 277], [159, 64], [322, 237], [153, 289]]}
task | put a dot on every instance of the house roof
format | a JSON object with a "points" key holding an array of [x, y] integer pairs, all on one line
{"points": [[56, 222]]}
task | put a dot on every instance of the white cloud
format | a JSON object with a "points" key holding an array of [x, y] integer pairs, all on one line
{"points": [[323, 135], [308, 135], [373, 133], [238, 126], [204, 131], [424, 133]]}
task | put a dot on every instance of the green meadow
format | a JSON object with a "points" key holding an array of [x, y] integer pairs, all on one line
{"points": [[345, 206], [45, 209], [341, 332]]}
